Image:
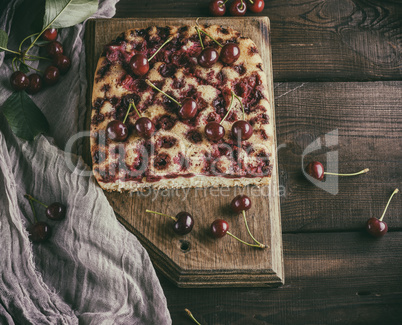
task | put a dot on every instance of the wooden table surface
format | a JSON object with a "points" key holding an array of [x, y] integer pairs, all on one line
{"points": [[337, 66]]}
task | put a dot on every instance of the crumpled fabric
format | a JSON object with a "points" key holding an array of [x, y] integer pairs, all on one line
{"points": [[92, 270]]}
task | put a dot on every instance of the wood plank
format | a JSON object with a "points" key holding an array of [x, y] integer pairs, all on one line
{"points": [[368, 118], [314, 40], [197, 259], [331, 278]]}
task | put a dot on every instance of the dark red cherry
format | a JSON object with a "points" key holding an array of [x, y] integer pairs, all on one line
{"points": [[51, 75], [39, 232], [316, 170], [188, 109], [242, 130], [117, 131], [208, 57], [56, 211], [257, 6], [217, 8], [240, 203], [50, 34], [35, 84], [54, 48], [230, 53], [139, 64], [62, 62], [214, 131], [19, 81], [376, 227], [184, 223], [219, 228], [144, 127], [238, 8]]}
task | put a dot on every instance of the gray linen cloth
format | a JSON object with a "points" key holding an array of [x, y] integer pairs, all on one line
{"points": [[91, 271]]}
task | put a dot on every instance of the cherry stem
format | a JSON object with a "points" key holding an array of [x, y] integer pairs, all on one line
{"points": [[162, 214], [8, 50], [167, 41], [12, 64], [385, 210], [230, 108], [189, 313], [161, 91], [222, 4], [30, 66], [128, 110], [352, 174], [248, 230], [242, 5], [199, 36], [31, 198], [245, 243], [210, 36], [29, 56], [241, 103], [29, 36], [251, 1]]}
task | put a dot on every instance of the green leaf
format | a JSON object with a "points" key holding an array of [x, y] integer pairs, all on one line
{"points": [[3, 40], [24, 117], [66, 13]]}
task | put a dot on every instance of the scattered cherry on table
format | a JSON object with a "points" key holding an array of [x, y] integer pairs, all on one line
{"points": [[51, 75], [35, 84], [378, 227], [217, 7], [316, 170], [183, 221], [240, 203], [256, 6], [39, 232], [238, 8]]}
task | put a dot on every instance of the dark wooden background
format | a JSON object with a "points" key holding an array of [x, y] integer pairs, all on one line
{"points": [[337, 65]]}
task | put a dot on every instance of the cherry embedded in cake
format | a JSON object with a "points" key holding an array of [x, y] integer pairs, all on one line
{"points": [[186, 130]]}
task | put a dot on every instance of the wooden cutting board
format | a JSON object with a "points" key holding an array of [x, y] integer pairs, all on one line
{"points": [[197, 259]]}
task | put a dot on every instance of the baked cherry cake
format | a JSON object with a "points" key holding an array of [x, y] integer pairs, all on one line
{"points": [[176, 107]]}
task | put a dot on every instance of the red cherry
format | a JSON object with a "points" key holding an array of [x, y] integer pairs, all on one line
{"points": [[139, 64], [316, 170], [214, 131], [217, 8], [189, 109], [242, 130], [35, 84], [208, 57], [144, 127], [62, 62], [230, 53], [240, 203], [56, 211], [257, 6], [184, 223], [19, 80], [50, 34], [376, 227], [54, 48], [238, 8], [219, 228], [51, 75], [117, 131], [39, 232]]}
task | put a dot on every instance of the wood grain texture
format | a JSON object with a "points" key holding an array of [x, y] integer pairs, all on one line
{"points": [[314, 40], [331, 278], [368, 119], [197, 260]]}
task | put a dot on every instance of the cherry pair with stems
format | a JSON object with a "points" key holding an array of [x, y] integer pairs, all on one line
{"points": [[40, 231]]}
